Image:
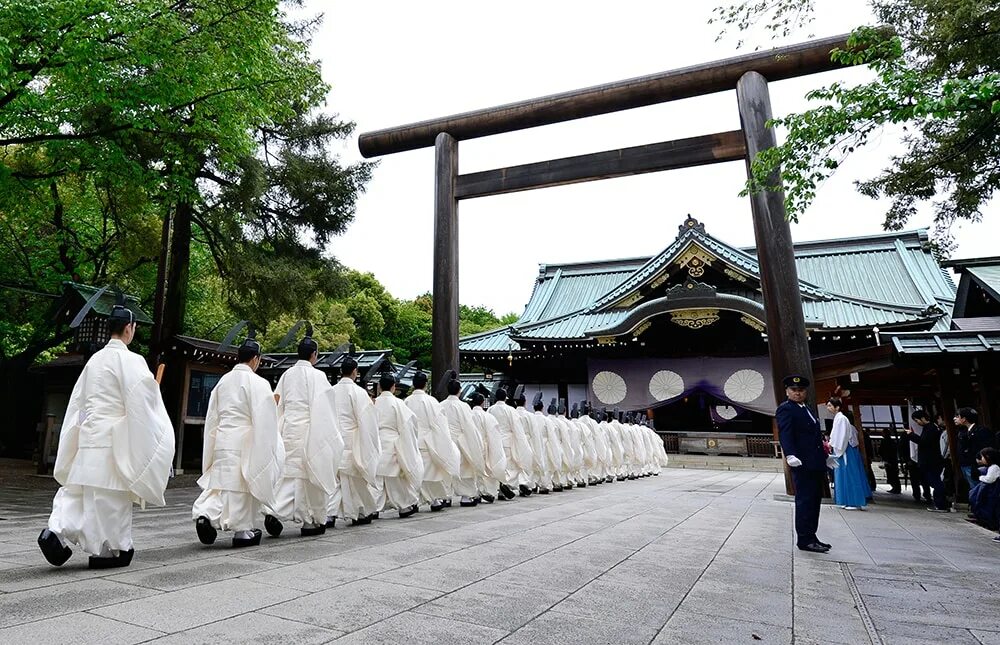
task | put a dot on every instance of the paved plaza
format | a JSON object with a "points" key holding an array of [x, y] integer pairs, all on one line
{"points": [[691, 556]]}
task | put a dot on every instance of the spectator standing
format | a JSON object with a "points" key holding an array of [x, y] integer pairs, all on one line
{"points": [[889, 452], [972, 438], [929, 458]]}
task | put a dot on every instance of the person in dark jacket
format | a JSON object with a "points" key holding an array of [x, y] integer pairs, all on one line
{"points": [[802, 444], [972, 438], [929, 458], [889, 452]]}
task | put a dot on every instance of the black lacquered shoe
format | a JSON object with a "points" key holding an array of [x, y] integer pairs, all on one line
{"points": [[487, 498], [813, 548], [310, 531], [123, 559], [330, 522], [273, 525], [55, 553], [206, 532], [254, 540], [408, 511]]}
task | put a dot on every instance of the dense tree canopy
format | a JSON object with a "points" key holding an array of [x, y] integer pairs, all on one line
{"points": [[937, 74]]}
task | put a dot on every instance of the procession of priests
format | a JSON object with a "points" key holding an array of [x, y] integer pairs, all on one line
{"points": [[308, 452]]}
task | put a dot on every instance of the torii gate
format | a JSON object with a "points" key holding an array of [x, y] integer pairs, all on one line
{"points": [[788, 343]]}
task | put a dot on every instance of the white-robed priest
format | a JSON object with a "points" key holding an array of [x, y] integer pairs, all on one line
{"points": [[358, 472], [243, 457], [400, 468], [515, 446], [313, 444], [466, 436], [495, 460], [115, 448], [438, 451]]}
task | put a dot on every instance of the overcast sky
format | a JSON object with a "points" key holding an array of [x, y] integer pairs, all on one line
{"points": [[392, 63]]}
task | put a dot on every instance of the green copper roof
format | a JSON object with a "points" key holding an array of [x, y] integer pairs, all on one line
{"points": [[988, 278], [107, 300], [887, 280]]}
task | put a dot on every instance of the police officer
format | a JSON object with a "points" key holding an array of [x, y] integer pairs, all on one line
{"points": [[802, 443]]}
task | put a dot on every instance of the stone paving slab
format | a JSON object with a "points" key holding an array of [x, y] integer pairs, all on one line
{"points": [[690, 556]]}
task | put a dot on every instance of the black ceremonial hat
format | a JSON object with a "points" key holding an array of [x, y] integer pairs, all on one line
{"points": [[796, 380]]}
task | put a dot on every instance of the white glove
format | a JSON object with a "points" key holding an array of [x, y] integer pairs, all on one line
{"points": [[793, 461], [831, 462]]}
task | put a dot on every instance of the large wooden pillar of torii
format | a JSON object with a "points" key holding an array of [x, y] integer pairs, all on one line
{"points": [[748, 75]]}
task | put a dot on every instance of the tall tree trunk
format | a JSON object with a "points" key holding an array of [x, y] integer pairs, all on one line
{"points": [[175, 298]]}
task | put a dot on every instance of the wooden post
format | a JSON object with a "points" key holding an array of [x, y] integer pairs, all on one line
{"points": [[444, 325], [787, 342]]}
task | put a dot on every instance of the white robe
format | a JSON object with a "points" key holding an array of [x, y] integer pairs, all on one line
{"points": [[515, 444], [357, 474], [495, 458], [572, 454], [438, 451], [115, 447], [554, 452], [842, 435], [544, 466], [467, 436], [243, 457], [601, 448], [313, 444], [614, 442], [400, 468], [588, 448]]}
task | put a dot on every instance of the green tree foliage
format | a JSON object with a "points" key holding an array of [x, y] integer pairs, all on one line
{"points": [[209, 106], [937, 74]]}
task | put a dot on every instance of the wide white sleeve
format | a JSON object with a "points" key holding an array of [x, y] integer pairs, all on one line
{"points": [[325, 443], [992, 474], [367, 449], [840, 435], [264, 452], [143, 446], [407, 450]]}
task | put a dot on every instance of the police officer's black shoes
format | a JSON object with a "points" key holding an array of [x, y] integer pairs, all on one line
{"points": [[813, 548], [53, 549]]}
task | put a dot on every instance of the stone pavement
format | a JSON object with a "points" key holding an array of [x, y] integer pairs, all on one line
{"points": [[687, 557]]}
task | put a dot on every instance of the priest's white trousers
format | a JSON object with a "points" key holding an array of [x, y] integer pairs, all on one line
{"points": [[354, 500], [227, 510], [95, 519], [466, 487], [300, 500], [432, 490], [398, 493]]}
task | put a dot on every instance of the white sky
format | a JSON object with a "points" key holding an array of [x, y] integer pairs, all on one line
{"points": [[392, 63]]}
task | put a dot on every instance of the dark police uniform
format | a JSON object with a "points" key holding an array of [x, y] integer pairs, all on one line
{"points": [[800, 435]]}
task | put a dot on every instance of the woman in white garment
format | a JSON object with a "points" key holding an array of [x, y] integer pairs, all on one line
{"points": [[851, 489]]}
